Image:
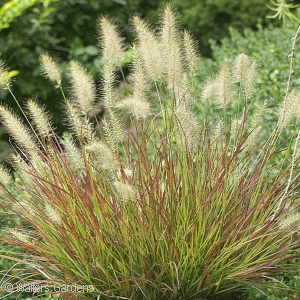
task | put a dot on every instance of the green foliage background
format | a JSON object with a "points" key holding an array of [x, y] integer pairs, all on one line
{"points": [[67, 30]]}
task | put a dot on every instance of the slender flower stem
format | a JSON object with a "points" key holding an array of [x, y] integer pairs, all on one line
{"points": [[63, 94]]}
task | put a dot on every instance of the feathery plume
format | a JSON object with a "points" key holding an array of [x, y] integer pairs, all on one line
{"points": [[74, 119], [128, 172], [209, 90], [20, 236], [250, 142], [289, 109], [73, 154], [244, 72], [113, 130], [150, 48], [137, 104], [103, 154], [170, 40], [182, 92], [83, 89], [17, 130], [79, 125], [217, 132], [53, 214], [4, 79], [224, 85], [50, 69], [24, 207], [111, 42], [140, 108], [36, 165], [109, 94], [291, 223], [235, 125], [39, 166], [188, 129], [250, 82], [22, 169], [241, 68], [138, 78], [5, 177], [39, 118], [255, 125], [125, 191], [190, 51]]}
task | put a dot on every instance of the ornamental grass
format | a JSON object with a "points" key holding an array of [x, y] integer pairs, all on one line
{"points": [[149, 200]]}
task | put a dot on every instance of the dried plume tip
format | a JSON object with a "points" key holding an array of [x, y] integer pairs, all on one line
{"points": [[83, 88], [50, 69], [111, 42]]}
